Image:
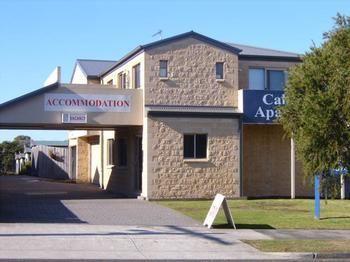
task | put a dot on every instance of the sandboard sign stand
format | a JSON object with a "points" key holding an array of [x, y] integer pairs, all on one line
{"points": [[219, 201]]}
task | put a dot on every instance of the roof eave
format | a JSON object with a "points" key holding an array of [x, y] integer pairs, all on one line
{"points": [[270, 58]]}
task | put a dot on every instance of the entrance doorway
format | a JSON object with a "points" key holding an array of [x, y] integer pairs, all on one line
{"points": [[95, 163], [73, 157], [138, 167]]}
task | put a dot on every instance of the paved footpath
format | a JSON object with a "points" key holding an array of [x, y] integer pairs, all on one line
{"points": [[82, 241]]}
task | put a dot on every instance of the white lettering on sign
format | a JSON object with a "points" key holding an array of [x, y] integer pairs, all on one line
{"points": [[87, 103], [74, 118], [219, 201], [270, 100]]}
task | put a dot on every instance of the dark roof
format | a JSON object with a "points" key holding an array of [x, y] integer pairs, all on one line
{"points": [[50, 143], [92, 68], [256, 52], [192, 34]]}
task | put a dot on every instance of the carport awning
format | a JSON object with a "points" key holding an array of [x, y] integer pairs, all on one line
{"points": [[68, 106]]}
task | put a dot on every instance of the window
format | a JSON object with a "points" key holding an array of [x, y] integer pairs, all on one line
{"points": [[110, 155], [137, 76], [122, 80], [257, 78], [122, 152], [110, 82], [219, 67], [163, 68], [195, 146], [275, 79]]}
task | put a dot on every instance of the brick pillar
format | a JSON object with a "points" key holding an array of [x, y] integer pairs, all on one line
{"points": [[83, 161]]}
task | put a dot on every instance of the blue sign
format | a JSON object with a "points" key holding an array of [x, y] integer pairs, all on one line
{"points": [[260, 106]]}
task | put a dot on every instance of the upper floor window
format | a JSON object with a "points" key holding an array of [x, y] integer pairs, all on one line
{"points": [[275, 79], [163, 68], [195, 146], [270, 79], [137, 76], [219, 67], [257, 78], [110, 82], [122, 80]]}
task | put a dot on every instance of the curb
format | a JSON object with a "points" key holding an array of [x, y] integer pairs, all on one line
{"points": [[331, 255]]}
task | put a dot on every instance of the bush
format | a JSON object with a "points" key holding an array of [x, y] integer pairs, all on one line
{"points": [[26, 169]]}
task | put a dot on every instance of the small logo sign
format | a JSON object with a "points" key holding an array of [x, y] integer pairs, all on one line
{"points": [[74, 118]]}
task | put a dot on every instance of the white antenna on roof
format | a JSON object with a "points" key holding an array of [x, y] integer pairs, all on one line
{"points": [[158, 33]]}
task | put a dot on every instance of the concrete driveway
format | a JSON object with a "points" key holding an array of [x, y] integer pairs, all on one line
{"points": [[25, 199]]}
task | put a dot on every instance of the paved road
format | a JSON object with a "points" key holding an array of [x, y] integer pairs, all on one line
{"points": [[25, 199]]}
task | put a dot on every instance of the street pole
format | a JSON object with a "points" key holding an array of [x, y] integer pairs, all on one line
{"points": [[292, 169], [317, 197], [342, 186]]}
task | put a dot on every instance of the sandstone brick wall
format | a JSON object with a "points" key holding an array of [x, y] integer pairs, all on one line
{"points": [[172, 177], [83, 160], [191, 70], [244, 66], [266, 163]]}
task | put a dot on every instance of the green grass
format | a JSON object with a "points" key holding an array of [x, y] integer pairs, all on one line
{"points": [[271, 213], [314, 246]]}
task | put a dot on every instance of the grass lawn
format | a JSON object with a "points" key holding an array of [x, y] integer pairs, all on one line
{"points": [[314, 246], [271, 213]]}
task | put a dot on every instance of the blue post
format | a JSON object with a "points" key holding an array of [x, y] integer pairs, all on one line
{"points": [[317, 197]]}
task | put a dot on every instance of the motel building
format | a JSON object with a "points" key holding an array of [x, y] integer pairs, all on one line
{"points": [[185, 117]]}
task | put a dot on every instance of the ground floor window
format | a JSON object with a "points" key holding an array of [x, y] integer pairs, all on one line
{"points": [[195, 146], [122, 152], [110, 155]]}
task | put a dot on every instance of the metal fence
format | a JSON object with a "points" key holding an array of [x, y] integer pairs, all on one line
{"points": [[50, 162]]}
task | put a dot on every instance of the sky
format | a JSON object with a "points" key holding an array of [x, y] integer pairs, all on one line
{"points": [[38, 35]]}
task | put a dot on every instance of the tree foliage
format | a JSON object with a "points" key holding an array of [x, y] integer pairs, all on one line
{"points": [[7, 155], [317, 110], [25, 141]]}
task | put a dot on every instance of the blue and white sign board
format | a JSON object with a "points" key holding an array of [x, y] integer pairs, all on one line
{"points": [[260, 106]]}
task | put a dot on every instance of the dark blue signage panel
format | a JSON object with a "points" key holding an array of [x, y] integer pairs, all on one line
{"points": [[259, 106]]}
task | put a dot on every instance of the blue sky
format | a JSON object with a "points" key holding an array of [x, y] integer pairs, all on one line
{"points": [[36, 36]]}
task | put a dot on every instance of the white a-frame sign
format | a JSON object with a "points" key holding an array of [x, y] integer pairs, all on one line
{"points": [[219, 201]]}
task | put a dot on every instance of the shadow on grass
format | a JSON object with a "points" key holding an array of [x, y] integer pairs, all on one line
{"points": [[245, 226], [340, 217]]}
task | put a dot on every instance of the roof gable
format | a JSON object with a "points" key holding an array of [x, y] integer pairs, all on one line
{"points": [[92, 68], [165, 41]]}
